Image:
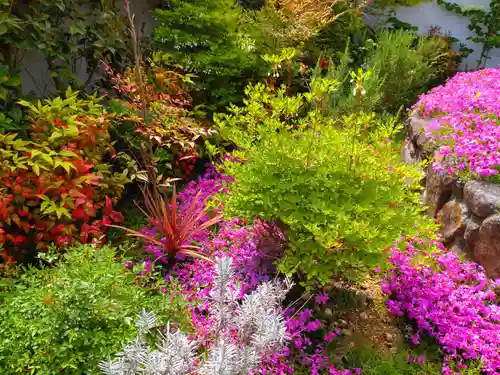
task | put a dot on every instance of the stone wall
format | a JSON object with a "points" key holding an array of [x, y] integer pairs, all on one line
{"points": [[468, 212]]}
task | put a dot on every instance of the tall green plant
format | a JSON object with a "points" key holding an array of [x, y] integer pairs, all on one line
{"points": [[214, 39], [403, 65], [342, 194]]}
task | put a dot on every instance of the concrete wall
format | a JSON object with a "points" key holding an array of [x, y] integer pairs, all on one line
{"points": [[429, 14]]}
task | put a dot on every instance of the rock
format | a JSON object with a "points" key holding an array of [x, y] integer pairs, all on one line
{"points": [[459, 246], [420, 144], [422, 141], [361, 297], [437, 190], [453, 219], [328, 312], [482, 197], [347, 332], [457, 189], [407, 156], [342, 323], [471, 233], [416, 125], [487, 248], [363, 316]]}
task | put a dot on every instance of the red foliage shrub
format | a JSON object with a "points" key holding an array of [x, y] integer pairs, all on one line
{"points": [[57, 186]]}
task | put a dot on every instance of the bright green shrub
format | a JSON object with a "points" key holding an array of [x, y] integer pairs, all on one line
{"points": [[403, 66], [216, 41], [68, 318], [344, 197]]}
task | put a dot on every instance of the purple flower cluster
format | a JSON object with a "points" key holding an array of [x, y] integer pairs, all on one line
{"points": [[448, 299], [303, 350], [253, 249], [466, 124]]}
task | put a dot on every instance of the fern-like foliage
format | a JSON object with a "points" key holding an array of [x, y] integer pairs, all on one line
{"points": [[257, 320]]}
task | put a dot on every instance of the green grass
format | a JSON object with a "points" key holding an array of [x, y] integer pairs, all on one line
{"points": [[376, 363]]}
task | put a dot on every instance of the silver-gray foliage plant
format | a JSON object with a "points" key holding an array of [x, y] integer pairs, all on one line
{"points": [[257, 319]]}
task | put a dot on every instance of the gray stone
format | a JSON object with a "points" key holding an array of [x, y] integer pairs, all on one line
{"points": [[342, 323], [453, 219], [471, 233], [416, 135], [407, 156], [422, 141], [459, 246], [362, 298], [487, 248], [437, 190], [457, 189], [347, 332], [482, 197], [416, 125]]}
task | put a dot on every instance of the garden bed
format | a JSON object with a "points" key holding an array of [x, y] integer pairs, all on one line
{"points": [[457, 127]]}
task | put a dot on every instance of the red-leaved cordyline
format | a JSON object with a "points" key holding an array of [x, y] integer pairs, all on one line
{"points": [[174, 229]]}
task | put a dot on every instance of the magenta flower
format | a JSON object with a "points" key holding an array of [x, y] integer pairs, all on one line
{"points": [[322, 299], [466, 123], [452, 301]]}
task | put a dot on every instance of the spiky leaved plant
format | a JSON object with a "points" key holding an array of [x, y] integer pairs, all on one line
{"points": [[169, 224], [163, 216], [243, 333]]}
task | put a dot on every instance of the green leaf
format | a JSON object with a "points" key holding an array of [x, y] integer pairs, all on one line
{"points": [[68, 153], [47, 158]]}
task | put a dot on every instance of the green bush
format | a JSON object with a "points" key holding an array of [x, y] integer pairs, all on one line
{"points": [[344, 196], [216, 41], [68, 318], [404, 362], [67, 34], [403, 66], [423, 359]]}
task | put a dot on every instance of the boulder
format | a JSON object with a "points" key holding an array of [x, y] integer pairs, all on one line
{"points": [[487, 248], [472, 232], [482, 197], [422, 145], [458, 246], [437, 190], [453, 219], [457, 189], [416, 126], [407, 155]]}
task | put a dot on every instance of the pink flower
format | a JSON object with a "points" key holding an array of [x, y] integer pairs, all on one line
{"points": [[322, 299]]}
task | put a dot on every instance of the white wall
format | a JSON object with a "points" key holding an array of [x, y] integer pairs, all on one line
{"points": [[430, 14]]}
